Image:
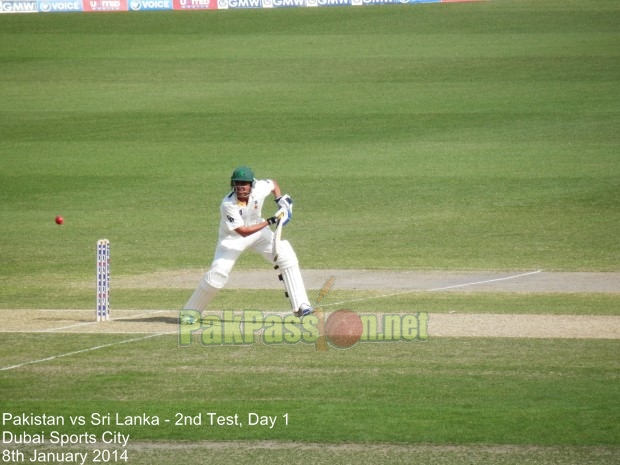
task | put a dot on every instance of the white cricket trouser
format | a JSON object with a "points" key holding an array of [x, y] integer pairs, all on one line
{"points": [[228, 251]]}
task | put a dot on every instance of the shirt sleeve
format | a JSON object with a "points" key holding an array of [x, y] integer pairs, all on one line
{"points": [[231, 216], [263, 188]]}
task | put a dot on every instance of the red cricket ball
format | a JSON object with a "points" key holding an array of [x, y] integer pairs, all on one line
{"points": [[344, 328], [60, 220]]}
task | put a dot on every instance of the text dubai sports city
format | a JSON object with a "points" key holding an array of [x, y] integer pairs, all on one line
{"points": [[250, 326]]}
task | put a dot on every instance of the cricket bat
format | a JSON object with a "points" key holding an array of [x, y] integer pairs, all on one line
{"points": [[277, 237]]}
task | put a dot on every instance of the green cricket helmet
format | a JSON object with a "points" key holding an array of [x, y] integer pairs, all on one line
{"points": [[244, 174]]}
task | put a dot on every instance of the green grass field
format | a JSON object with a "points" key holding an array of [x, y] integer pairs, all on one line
{"points": [[474, 136]]}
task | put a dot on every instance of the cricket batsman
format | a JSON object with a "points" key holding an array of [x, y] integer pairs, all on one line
{"points": [[242, 227]]}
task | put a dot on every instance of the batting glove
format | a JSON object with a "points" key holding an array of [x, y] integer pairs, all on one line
{"points": [[283, 215], [285, 201]]}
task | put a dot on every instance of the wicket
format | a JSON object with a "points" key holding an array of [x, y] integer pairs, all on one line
{"points": [[103, 280]]}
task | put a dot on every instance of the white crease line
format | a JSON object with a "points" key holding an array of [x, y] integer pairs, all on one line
{"points": [[485, 281], [95, 322], [434, 289], [68, 354]]}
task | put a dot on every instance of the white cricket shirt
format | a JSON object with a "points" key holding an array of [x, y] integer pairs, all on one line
{"points": [[235, 215]]}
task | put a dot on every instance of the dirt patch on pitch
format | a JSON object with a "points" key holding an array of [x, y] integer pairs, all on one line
{"points": [[524, 326], [136, 322], [439, 325]]}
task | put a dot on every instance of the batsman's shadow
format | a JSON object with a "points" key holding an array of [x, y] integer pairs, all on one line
{"points": [[171, 320]]}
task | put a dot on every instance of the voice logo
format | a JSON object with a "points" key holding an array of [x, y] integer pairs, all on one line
{"points": [[138, 5], [51, 6]]}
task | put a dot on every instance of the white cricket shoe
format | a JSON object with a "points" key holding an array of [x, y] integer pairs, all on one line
{"points": [[304, 309]]}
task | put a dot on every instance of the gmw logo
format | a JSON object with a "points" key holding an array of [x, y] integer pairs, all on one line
{"points": [[18, 7], [340, 329]]}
